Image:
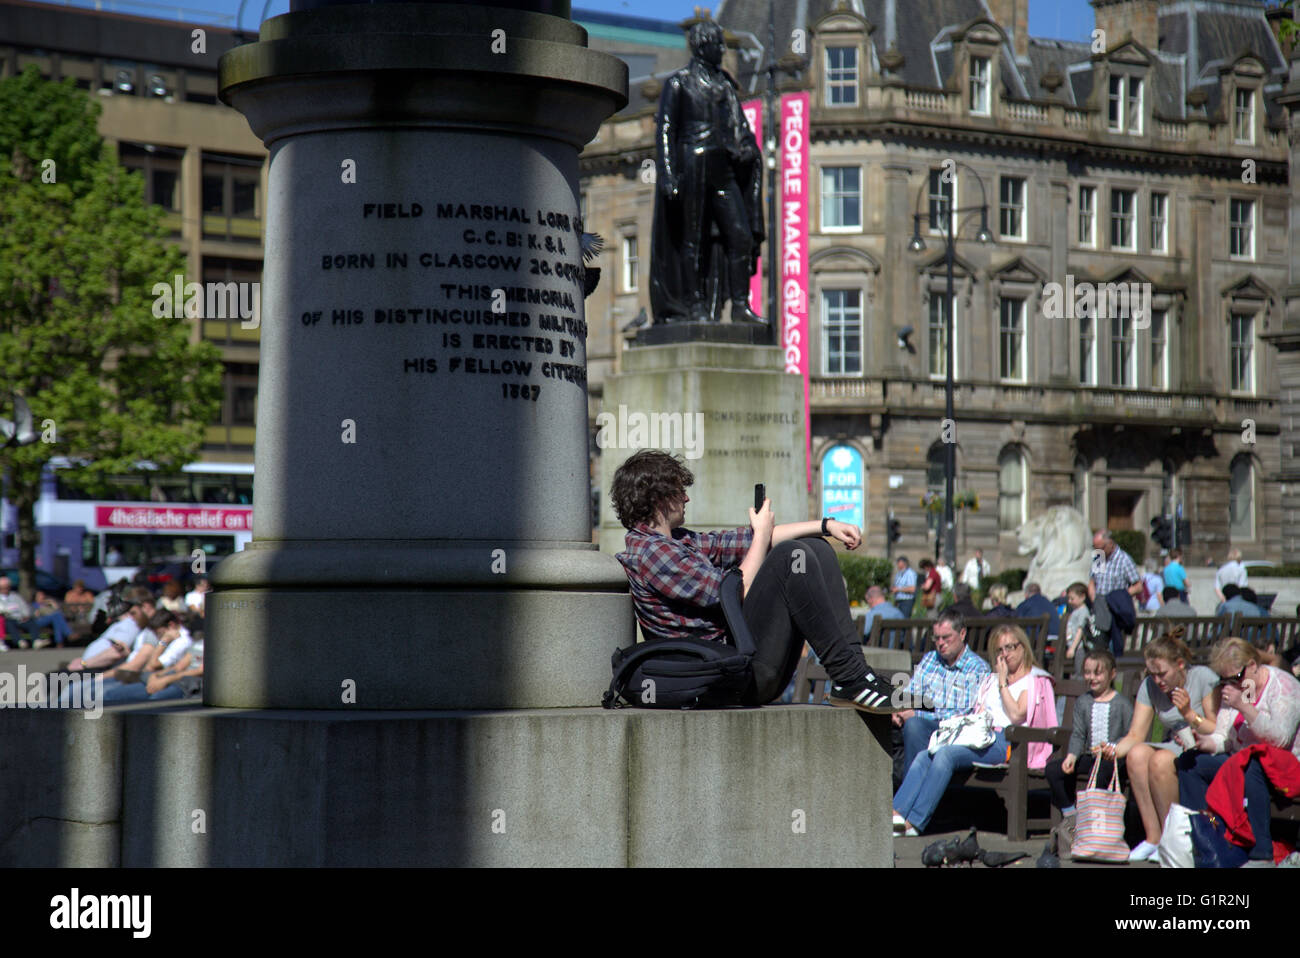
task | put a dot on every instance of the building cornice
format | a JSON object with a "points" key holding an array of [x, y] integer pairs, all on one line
{"points": [[913, 133], [925, 135]]}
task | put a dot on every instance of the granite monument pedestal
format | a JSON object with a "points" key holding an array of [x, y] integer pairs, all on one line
{"points": [[180, 784]]}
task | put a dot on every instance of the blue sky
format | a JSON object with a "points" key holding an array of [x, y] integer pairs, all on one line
{"points": [[1061, 19]]}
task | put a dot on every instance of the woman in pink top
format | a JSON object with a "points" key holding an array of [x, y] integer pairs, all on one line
{"points": [[1018, 692]]}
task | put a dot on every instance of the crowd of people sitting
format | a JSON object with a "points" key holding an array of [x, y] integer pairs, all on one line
{"points": [[147, 646], [1232, 722], [1105, 609], [1201, 714], [22, 621], [1160, 588]]}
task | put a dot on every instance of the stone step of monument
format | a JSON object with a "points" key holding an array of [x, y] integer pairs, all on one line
{"points": [[181, 784]]}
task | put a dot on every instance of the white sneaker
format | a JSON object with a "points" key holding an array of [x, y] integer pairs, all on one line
{"points": [[1144, 852], [899, 822], [910, 832]]}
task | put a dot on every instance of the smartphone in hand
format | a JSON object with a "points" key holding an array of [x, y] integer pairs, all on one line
{"points": [[760, 493]]}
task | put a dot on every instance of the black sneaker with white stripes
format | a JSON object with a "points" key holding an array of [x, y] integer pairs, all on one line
{"points": [[869, 694]]}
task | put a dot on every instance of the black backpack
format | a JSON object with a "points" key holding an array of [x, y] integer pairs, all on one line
{"points": [[685, 673]]}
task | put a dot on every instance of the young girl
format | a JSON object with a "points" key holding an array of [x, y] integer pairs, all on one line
{"points": [[1100, 719], [1078, 626]]}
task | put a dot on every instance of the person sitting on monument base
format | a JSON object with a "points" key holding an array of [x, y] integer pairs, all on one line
{"points": [[793, 589]]}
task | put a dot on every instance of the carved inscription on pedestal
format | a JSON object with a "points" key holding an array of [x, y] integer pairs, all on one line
{"points": [[505, 301], [758, 435]]}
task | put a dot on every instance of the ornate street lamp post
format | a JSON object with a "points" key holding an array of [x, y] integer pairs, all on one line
{"points": [[950, 227]]}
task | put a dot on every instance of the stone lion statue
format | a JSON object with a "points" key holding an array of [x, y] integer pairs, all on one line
{"points": [[1062, 546]]}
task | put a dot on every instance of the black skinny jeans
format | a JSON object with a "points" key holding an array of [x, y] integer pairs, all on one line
{"points": [[798, 595]]}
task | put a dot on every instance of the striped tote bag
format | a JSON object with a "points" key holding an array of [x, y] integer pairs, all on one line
{"points": [[1099, 822]]}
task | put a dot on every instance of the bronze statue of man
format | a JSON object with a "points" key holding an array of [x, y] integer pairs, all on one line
{"points": [[708, 219]]}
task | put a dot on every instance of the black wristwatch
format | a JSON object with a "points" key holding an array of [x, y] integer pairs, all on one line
{"points": [[825, 531]]}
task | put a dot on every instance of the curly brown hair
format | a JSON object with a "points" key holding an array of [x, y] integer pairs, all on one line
{"points": [[646, 481]]}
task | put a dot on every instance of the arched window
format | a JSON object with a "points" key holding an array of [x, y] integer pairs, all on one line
{"points": [[1241, 499], [1011, 489]]}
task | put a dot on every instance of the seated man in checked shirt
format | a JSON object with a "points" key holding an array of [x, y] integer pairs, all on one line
{"points": [[944, 684], [676, 577]]}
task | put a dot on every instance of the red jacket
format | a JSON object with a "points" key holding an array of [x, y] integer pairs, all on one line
{"points": [[1226, 794]]}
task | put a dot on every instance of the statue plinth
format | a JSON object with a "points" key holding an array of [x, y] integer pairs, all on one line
{"points": [[741, 334]]}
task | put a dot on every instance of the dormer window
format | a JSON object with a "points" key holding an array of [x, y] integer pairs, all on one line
{"points": [[842, 76], [979, 86], [1243, 116], [1124, 105]]}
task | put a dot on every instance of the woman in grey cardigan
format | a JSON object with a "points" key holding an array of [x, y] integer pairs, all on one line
{"points": [[1100, 719]]}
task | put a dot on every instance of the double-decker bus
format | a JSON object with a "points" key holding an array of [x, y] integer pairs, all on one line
{"points": [[146, 517]]}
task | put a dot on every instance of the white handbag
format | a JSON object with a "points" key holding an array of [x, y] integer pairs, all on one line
{"points": [[973, 731], [1176, 839]]}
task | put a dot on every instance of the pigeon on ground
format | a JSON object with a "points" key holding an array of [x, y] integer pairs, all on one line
{"points": [[997, 859], [1049, 859], [967, 850], [934, 855]]}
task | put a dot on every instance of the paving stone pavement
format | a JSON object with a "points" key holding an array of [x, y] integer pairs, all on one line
{"points": [[36, 660], [907, 852]]}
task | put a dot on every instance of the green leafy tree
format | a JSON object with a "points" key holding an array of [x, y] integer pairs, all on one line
{"points": [[862, 572], [109, 383], [1289, 30], [1133, 542]]}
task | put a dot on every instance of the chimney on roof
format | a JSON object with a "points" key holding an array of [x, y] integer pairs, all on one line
{"points": [[1120, 18], [1013, 17]]}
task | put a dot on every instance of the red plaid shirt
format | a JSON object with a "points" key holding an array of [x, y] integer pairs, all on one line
{"points": [[676, 582]]}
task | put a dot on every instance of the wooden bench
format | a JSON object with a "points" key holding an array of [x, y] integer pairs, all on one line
{"points": [[1282, 632], [1284, 809], [1200, 632], [810, 679], [912, 635], [1203, 631]]}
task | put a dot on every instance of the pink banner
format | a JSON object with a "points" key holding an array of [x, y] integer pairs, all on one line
{"points": [[162, 518], [754, 116], [794, 248]]}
